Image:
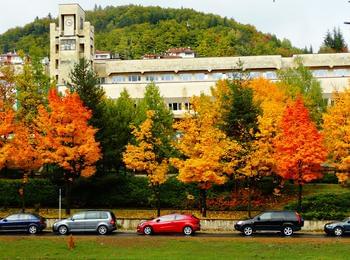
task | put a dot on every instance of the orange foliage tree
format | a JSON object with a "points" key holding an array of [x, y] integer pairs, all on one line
{"points": [[7, 127], [337, 133], [66, 139], [299, 147], [208, 155], [143, 157]]}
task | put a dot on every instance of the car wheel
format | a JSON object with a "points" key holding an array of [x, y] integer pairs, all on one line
{"points": [[247, 230], [147, 230], [102, 230], [32, 229], [287, 231], [62, 230], [338, 231], [187, 231]]}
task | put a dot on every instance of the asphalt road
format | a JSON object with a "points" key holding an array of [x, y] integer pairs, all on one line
{"points": [[198, 234]]}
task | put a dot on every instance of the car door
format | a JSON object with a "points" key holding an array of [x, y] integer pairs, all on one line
{"points": [[23, 221], [263, 221], [77, 222], [277, 219], [347, 225], [10, 223], [164, 223], [91, 220]]}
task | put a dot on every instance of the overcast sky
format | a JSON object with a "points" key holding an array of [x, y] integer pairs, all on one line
{"points": [[304, 22]]}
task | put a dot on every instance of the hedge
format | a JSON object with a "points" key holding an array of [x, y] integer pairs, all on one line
{"points": [[327, 206]]}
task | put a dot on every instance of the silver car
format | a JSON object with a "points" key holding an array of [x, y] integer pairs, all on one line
{"points": [[102, 222]]}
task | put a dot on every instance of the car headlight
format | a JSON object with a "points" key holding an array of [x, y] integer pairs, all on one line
{"points": [[329, 226], [240, 222]]}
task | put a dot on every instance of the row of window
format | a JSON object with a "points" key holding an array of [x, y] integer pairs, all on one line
{"points": [[179, 106], [217, 76]]}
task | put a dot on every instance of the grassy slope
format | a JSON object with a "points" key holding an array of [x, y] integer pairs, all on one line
{"points": [[174, 248]]}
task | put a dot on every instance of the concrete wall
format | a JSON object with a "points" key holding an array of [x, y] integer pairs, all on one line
{"points": [[220, 225]]}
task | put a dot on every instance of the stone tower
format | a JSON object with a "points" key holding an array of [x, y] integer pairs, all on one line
{"points": [[72, 40]]}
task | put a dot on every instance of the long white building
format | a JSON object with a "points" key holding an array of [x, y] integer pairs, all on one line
{"points": [[181, 78]]}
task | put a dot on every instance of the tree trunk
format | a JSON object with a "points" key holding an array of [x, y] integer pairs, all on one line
{"points": [[157, 190], [68, 196], [249, 198], [300, 184], [204, 202]]}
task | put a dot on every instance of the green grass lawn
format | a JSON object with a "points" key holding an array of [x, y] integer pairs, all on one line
{"points": [[318, 188], [173, 248]]}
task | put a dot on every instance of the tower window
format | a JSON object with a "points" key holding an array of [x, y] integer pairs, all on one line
{"points": [[68, 45], [81, 48]]}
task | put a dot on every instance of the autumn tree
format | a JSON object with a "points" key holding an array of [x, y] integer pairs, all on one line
{"points": [[208, 155], [300, 81], [144, 158], [7, 86], [336, 129], [259, 162], [333, 42], [7, 128], [66, 139], [299, 147]]}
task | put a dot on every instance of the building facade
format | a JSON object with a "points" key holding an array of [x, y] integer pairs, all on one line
{"points": [[181, 78], [70, 40]]}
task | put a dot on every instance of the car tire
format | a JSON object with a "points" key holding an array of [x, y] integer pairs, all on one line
{"points": [[102, 230], [338, 231], [147, 230], [62, 230], [32, 229], [188, 231], [287, 231], [247, 231]]}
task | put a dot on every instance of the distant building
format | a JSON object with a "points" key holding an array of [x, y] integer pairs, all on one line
{"points": [[102, 55], [11, 58], [178, 73]]}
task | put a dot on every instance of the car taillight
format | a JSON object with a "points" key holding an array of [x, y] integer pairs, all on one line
{"points": [[299, 217], [112, 222], [42, 221]]}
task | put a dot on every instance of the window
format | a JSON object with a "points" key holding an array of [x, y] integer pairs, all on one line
{"points": [[118, 79], [200, 76], [175, 106], [151, 78], [218, 76], [185, 77], [104, 215], [13, 217], [92, 215], [179, 217], [320, 73], [167, 77], [81, 23], [56, 64], [341, 72], [265, 216], [81, 48], [67, 44], [134, 78], [57, 48], [79, 216], [278, 215], [167, 218], [254, 74], [102, 80], [270, 75]]}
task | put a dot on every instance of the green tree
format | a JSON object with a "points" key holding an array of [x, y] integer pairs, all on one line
{"points": [[334, 42], [117, 116], [32, 86], [299, 80]]}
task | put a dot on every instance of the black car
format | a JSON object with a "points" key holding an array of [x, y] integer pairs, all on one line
{"points": [[338, 228], [285, 221], [26, 222]]}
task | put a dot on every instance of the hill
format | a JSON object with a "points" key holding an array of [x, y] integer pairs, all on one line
{"points": [[134, 30]]}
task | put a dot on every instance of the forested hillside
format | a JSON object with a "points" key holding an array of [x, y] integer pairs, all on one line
{"points": [[134, 30]]}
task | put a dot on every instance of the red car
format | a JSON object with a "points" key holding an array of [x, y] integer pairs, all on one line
{"points": [[174, 223]]}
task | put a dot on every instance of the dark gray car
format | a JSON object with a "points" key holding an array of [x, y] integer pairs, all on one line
{"points": [[102, 222]]}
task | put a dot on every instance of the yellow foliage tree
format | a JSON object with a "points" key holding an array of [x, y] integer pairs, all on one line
{"points": [[143, 156], [209, 156], [336, 129]]}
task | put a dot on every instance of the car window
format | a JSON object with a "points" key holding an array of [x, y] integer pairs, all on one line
{"points": [[92, 215], [79, 216], [13, 217], [103, 215], [277, 215], [265, 216], [290, 215], [24, 217], [167, 218], [179, 217]]}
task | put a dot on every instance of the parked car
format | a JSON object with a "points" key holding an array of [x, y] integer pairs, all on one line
{"points": [[285, 221], [26, 222], [338, 228], [173, 223], [102, 222]]}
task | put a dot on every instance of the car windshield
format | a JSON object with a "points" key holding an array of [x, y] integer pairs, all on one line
{"points": [[346, 219]]}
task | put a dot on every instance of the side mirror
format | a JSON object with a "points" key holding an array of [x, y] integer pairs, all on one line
{"points": [[5, 220], [157, 220], [72, 219], [258, 218]]}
